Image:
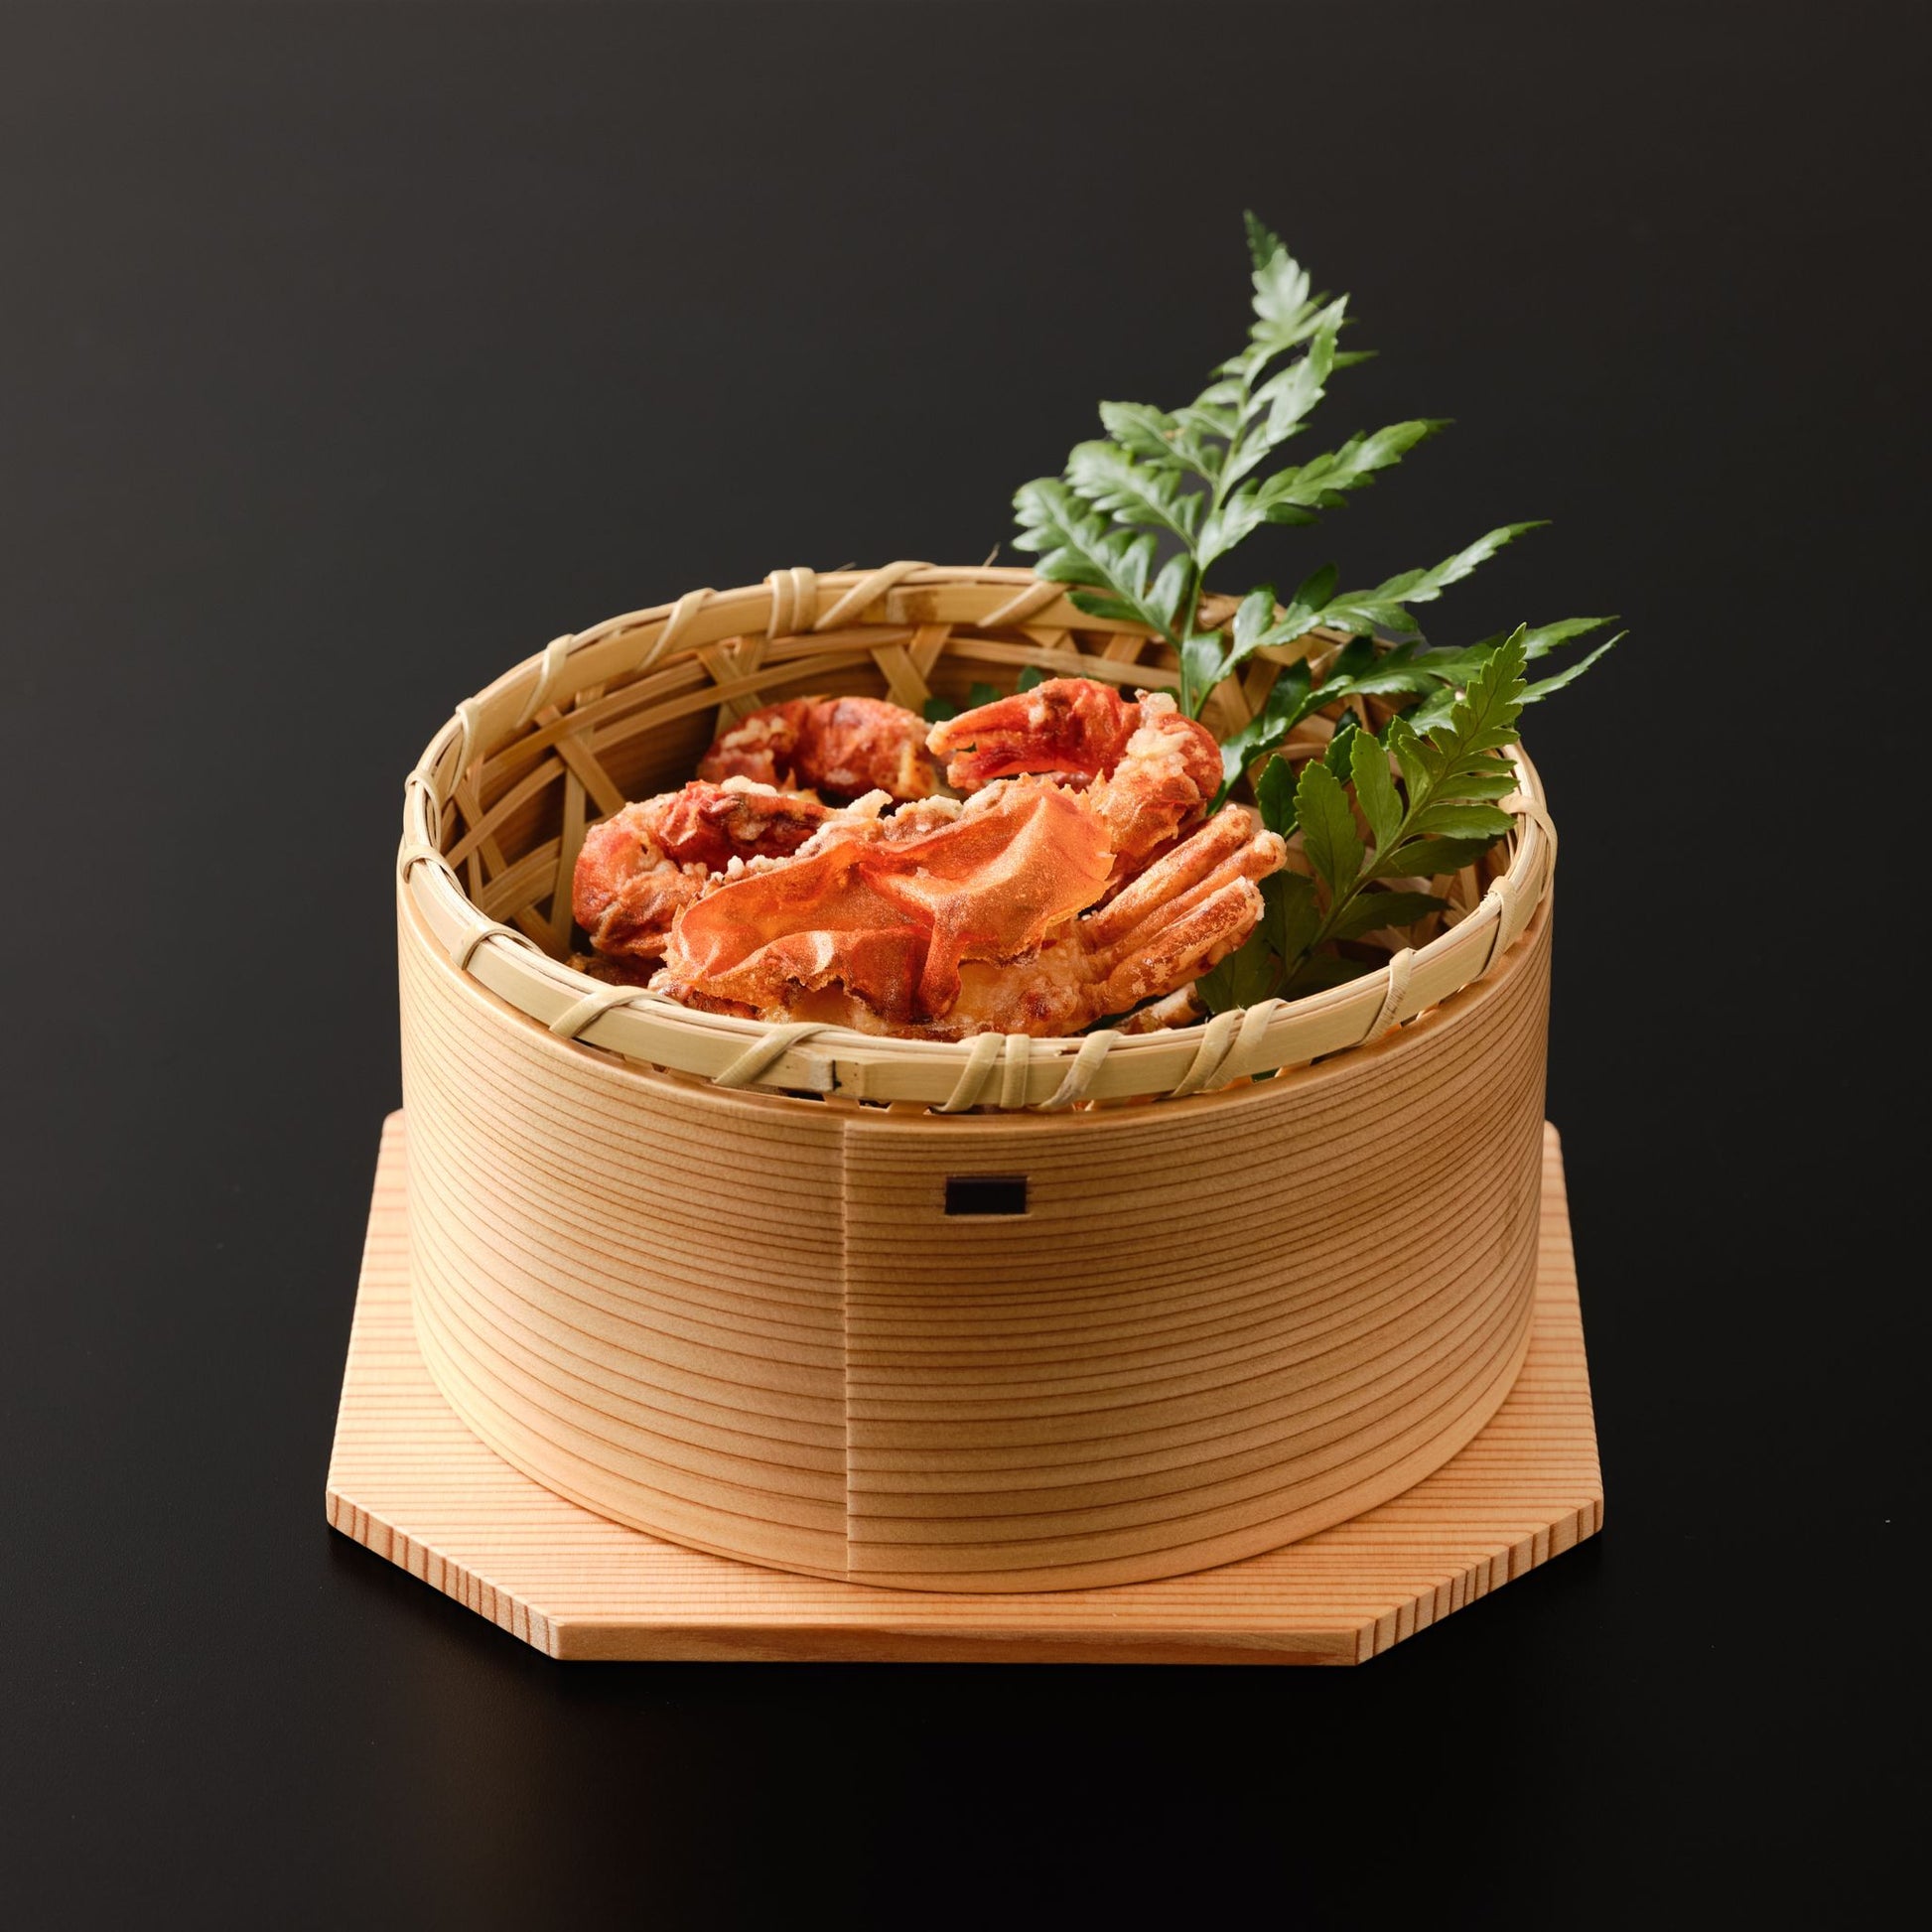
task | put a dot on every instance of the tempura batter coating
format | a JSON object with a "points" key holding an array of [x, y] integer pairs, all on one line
{"points": [[844, 747], [643, 865], [1151, 771]]}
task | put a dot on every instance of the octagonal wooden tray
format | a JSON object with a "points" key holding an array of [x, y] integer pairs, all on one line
{"points": [[408, 1481]]}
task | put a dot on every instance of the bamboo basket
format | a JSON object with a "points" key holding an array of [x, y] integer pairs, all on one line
{"points": [[999, 1315]]}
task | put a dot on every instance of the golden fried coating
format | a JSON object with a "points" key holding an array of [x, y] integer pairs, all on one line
{"points": [[971, 926], [1152, 772], [843, 747], [642, 864]]}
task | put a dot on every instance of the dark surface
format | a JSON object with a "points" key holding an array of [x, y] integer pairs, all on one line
{"points": [[349, 355]]}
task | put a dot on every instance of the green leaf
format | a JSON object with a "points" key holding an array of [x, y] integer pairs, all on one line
{"points": [[1030, 675], [1303, 615], [936, 710], [1284, 308], [1455, 666], [1275, 796], [1245, 977], [1460, 822], [1136, 494], [1264, 244], [1384, 608], [1203, 663], [1323, 480], [1350, 662], [1256, 624], [1435, 714], [1541, 689], [1290, 917], [979, 694], [1076, 546], [1449, 722], [1319, 973], [1375, 790], [1385, 680], [1168, 590], [1252, 620], [1328, 834], [1491, 779], [1194, 482], [1140, 429], [1290, 699], [1214, 414], [1275, 410], [1484, 717], [1339, 758], [1413, 754], [1371, 912], [1429, 858]]}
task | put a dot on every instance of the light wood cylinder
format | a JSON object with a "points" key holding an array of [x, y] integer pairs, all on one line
{"points": [[745, 1321], [708, 1303]]}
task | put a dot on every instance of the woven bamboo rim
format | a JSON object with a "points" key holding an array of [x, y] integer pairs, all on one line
{"points": [[494, 814]]}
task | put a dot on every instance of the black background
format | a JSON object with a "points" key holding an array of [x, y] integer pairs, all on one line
{"points": [[348, 356]]}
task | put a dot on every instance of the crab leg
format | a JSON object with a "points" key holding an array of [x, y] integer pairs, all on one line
{"points": [[1174, 945], [1230, 846]]}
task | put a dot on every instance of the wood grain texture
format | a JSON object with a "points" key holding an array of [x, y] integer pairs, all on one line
{"points": [[408, 1479], [745, 1322]]}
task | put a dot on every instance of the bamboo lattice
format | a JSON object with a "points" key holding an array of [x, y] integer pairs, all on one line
{"points": [[495, 815]]}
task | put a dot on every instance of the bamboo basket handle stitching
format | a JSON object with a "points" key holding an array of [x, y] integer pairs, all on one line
{"points": [[1389, 1012], [548, 673], [761, 1056], [867, 590], [1080, 1072], [1250, 1045], [415, 853], [795, 601], [683, 614], [425, 782], [465, 950], [1522, 806], [592, 1006], [434, 805], [1501, 895], [466, 727], [1216, 1042], [1012, 1070], [1016, 610], [985, 1049]]}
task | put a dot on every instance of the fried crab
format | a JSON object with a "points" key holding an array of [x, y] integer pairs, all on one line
{"points": [[971, 923], [642, 866], [843, 747], [1147, 770], [1080, 879]]}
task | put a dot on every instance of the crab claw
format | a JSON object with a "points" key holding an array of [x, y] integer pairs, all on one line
{"points": [[1186, 912], [1151, 771], [1070, 728]]}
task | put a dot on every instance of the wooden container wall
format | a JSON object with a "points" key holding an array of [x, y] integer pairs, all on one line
{"points": [[745, 1321], [744, 1318]]}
